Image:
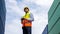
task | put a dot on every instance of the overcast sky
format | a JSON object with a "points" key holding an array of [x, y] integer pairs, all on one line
{"points": [[14, 8]]}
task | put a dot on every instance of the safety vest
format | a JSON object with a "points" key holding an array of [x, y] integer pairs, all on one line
{"points": [[27, 15], [26, 22]]}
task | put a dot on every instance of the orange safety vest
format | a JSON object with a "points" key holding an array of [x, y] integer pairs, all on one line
{"points": [[26, 22]]}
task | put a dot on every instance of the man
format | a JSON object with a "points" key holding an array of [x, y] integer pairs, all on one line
{"points": [[26, 21]]}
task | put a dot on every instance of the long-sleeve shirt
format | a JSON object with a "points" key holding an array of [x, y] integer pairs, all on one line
{"points": [[31, 17]]}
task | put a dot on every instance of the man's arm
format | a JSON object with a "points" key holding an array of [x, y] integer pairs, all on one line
{"points": [[31, 17]]}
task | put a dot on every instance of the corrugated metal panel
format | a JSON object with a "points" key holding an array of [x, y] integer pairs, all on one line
{"points": [[54, 18], [2, 16]]}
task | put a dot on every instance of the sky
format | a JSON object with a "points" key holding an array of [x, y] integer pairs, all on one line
{"points": [[15, 10]]}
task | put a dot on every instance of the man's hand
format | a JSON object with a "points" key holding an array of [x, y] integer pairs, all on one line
{"points": [[22, 18]]}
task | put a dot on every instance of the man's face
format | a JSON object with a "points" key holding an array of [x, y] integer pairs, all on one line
{"points": [[26, 10]]}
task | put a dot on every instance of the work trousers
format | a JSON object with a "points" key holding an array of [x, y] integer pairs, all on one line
{"points": [[26, 30]]}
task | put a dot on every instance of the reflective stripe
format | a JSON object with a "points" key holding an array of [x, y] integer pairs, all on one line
{"points": [[27, 25]]}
